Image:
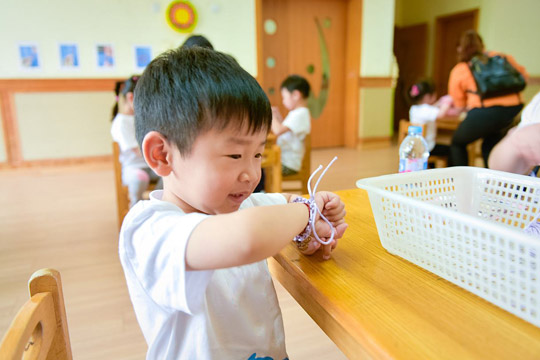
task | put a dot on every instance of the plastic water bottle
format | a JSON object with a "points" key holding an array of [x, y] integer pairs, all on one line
{"points": [[413, 151]]}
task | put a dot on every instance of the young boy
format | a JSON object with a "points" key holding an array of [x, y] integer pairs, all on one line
{"points": [[292, 131], [194, 254]]}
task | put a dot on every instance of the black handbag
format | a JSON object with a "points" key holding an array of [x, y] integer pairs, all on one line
{"points": [[495, 76]]}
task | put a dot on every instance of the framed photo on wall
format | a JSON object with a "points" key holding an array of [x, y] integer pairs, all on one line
{"points": [[143, 56], [105, 56], [69, 56], [29, 56]]}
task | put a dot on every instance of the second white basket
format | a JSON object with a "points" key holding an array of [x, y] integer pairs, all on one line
{"points": [[466, 225]]}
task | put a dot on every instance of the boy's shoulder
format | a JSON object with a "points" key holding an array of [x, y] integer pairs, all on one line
{"points": [[301, 113], [148, 213], [301, 110], [158, 218]]}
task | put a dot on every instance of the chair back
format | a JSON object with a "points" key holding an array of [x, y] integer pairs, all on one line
{"points": [[305, 171], [439, 161], [122, 195], [39, 330], [271, 163], [404, 129]]}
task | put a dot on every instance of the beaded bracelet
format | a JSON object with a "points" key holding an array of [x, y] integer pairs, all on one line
{"points": [[312, 207], [300, 239]]}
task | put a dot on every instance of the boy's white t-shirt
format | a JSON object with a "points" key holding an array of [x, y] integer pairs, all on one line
{"points": [[228, 313], [425, 114], [292, 142], [531, 112], [123, 132]]}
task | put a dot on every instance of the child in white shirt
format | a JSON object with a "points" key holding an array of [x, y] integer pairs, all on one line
{"points": [[136, 174], [292, 131], [194, 255], [426, 110]]}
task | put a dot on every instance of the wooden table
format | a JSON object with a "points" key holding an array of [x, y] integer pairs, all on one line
{"points": [[446, 126], [376, 305], [449, 123]]}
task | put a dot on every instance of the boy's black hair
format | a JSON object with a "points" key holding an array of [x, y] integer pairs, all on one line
{"points": [[123, 87], [197, 40], [296, 82], [186, 92], [417, 91]]}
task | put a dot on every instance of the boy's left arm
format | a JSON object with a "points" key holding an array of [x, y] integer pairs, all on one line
{"points": [[334, 210]]}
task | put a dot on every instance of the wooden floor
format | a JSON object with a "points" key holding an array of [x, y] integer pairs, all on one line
{"points": [[65, 218]]}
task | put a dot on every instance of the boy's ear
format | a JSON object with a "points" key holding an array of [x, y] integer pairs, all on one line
{"points": [[157, 152], [297, 95]]}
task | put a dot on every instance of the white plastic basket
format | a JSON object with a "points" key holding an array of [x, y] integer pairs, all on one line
{"points": [[465, 224]]}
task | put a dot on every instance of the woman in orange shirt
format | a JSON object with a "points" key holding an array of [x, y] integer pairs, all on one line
{"points": [[488, 119]]}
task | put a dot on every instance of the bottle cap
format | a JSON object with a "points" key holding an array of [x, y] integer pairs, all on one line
{"points": [[413, 130]]}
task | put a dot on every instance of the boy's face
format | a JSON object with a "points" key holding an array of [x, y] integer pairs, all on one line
{"points": [[290, 99], [221, 171]]}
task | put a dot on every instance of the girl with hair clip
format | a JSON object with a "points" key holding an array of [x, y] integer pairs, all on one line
{"points": [[136, 174], [426, 110]]}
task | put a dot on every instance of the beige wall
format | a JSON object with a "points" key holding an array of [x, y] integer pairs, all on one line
{"points": [[409, 12], [376, 111], [67, 125], [230, 26], [506, 26], [513, 27], [377, 38], [375, 107], [64, 125]]}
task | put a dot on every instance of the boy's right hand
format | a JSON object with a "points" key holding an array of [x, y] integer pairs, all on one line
{"points": [[333, 209]]}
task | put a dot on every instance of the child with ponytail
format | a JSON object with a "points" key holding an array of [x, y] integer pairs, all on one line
{"points": [[136, 174], [426, 110]]}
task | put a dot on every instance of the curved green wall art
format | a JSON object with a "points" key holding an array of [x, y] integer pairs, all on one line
{"points": [[316, 104]]}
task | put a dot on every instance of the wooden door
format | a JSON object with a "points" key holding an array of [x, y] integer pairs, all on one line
{"points": [[410, 49], [307, 37], [448, 32]]}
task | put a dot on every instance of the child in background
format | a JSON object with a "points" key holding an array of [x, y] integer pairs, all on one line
{"points": [[292, 131], [136, 174], [194, 255], [197, 40], [425, 110]]}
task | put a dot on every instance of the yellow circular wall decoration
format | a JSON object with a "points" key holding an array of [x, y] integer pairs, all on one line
{"points": [[182, 16]]}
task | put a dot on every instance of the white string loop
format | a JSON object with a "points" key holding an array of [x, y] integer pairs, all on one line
{"points": [[312, 198]]}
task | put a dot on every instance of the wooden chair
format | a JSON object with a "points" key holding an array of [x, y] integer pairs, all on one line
{"points": [[439, 161], [39, 330], [305, 171], [271, 163], [474, 151], [122, 195]]}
